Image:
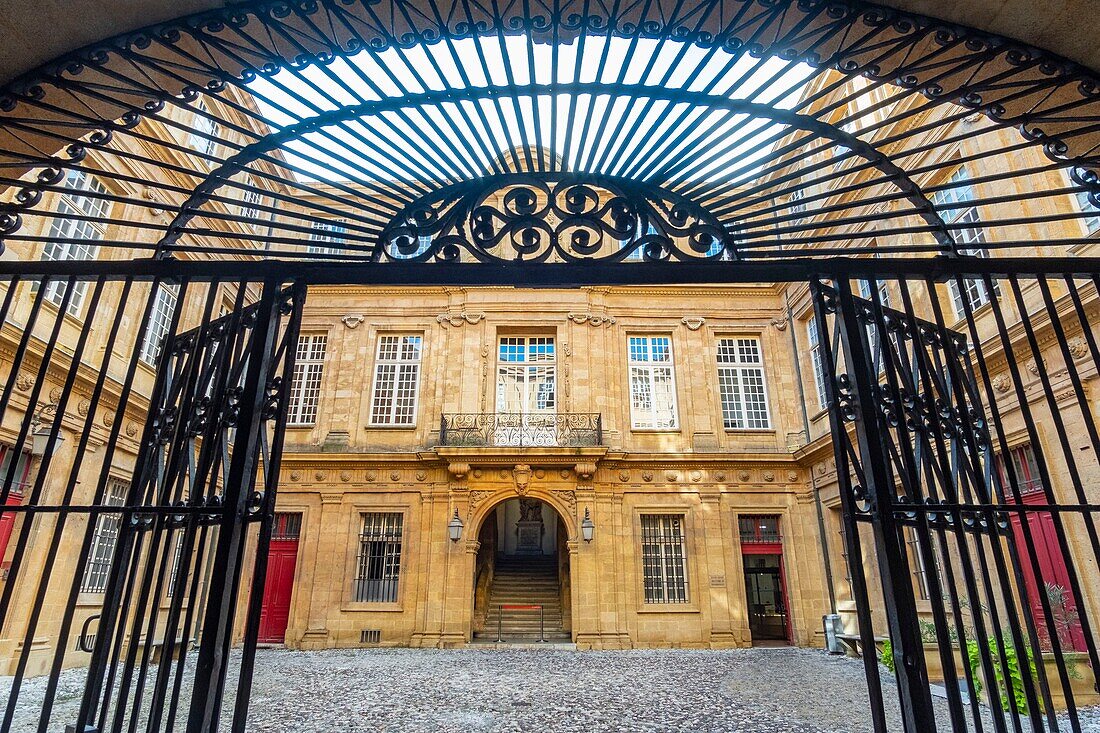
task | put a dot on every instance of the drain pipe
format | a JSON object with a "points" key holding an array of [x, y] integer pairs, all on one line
{"points": [[822, 537]]}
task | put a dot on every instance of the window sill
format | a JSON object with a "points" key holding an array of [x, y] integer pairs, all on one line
{"points": [[750, 431], [366, 607], [668, 608], [657, 431], [819, 414], [389, 427], [299, 426]]}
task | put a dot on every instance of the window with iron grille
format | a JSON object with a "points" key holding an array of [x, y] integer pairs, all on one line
{"points": [[664, 558], [378, 564], [250, 201], [741, 384], [920, 571], [74, 238], [396, 379], [328, 236], [1028, 480], [952, 205], [204, 131], [305, 388], [177, 559], [287, 526], [652, 384], [160, 321], [104, 539], [757, 529], [817, 358]]}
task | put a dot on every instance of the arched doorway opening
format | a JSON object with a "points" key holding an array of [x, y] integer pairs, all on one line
{"points": [[522, 586]]}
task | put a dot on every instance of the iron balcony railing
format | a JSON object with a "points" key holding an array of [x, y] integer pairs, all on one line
{"points": [[514, 429]]}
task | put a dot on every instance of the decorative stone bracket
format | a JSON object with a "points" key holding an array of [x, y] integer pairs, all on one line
{"points": [[694, 323], [458, 319], [591, 320]]}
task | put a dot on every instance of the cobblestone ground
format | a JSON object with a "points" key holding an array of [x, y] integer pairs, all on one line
{"points": [[428, 691]]}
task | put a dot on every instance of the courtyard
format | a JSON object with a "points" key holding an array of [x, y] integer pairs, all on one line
{"points": [[768, 690]]}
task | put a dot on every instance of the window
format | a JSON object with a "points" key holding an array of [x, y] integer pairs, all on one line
{"points": [[396, 377], [652, 386], [1092, 222], [160, 322], [83, 197], [951, 204], [817, 358], [331, 233], [104, 539], [379, 562], [664, 563], [759, 529], [305, 389], [250, 201], [204, 130], [741, 384], [797, 206], [920, 572], [423, 242], [177, 558], [639, 254], [1028, 480], [526, 375]]}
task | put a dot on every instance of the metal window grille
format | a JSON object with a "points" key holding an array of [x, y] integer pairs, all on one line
{"points": [[741, 384], [1028, 479], [378, 565], [287, 526], [327, 237], [204, 130], [756, 529], [652, 383], [370, 636], [818, 362], [160, 321], [177, 559], [664, 558], [305, 388], [18, 476], [526, 375], [72, 237], [396, 380], [104, 539], [250, 201]]}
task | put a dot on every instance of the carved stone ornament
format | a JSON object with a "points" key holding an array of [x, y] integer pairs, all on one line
{"points": [[624, 476], [539, 473], [109, 419], [458, 470], [421, 475], [131, 429], [647, 475], [476, 497], [521, 474], [564, 473], [671, 476], [792, 475], [55, 395], [769, 475], [395, 475], [694, 323], [1033, 367], [696, 476], [372, 476], [743, 476], [352, 320], [780, 324], [1001, 383], [592, 320], [295, 475], [458, 319], [82, 408], [585, 470], [320, 475], [24, 381], [1077, 347], [569, 498], [719, 475], [345, 476]]}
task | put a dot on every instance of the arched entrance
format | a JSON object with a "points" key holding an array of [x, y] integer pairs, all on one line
{"points": [[522, 589]]}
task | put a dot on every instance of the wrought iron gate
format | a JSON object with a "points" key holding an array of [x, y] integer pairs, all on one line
{"points": [[173, 391], [931, 484]]}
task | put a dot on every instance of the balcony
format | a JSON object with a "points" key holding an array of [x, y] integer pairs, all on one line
{"points": [[519, 430]]}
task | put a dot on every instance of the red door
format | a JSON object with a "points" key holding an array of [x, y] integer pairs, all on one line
{"points": [[1054, 577], [282, 556]]}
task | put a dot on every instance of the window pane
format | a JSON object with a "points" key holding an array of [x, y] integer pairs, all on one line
{"points": [[396, 380]]}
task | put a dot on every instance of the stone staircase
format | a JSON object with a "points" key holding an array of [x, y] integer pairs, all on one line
{"points": [[524, 581]]}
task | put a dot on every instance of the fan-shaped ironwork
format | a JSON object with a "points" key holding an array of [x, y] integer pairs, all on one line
{"points": [[803, 128]]}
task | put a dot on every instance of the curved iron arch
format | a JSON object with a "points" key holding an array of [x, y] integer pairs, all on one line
{"points": [[239, 162]]}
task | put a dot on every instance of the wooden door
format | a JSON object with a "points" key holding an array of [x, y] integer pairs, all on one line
{"points": [[279, 585]]}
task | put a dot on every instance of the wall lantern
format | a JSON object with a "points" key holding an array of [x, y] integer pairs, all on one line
{"points": [[588, 527], [454, 527], [41, 427]]}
